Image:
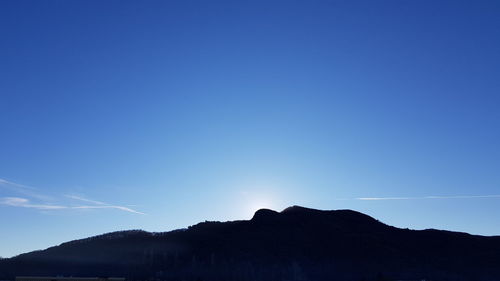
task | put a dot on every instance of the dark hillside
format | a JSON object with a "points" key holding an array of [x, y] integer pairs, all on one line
{"points": [[295, 244]]}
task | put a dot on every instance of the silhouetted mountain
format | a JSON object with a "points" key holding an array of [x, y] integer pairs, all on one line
{"points": [[295, 244]]}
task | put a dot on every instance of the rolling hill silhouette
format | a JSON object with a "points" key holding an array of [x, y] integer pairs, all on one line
{"points": [[295, 244]]}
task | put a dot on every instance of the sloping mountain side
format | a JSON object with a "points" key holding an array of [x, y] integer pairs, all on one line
{"points": [[295, 244]]}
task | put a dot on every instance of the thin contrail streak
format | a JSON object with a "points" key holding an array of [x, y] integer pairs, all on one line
{"points": [[429, 197], [24, 189], [25, 203], [85, 200], [32, 193]]}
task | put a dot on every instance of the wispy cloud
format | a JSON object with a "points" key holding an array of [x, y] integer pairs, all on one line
{"points": [[122, 208], [25, 203], [46, 201], [429, 197], [100, 205], [23, 189], [83, 199]]}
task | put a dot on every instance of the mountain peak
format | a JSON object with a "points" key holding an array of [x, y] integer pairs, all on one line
{"points": [[264, 214], [299, 209], [272, 246]]}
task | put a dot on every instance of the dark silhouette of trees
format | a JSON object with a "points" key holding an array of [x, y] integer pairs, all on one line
{"points": [[297, 244]]}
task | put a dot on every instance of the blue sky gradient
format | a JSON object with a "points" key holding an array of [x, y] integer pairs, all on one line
{"points": [[159, 114]]}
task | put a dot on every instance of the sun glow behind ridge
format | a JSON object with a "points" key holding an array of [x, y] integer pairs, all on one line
{"points": [[254, 201]]}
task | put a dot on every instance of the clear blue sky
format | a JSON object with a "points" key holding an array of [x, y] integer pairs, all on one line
{"points": [[156, 115]]}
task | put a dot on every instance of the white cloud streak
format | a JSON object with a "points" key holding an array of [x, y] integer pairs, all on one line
{"points": [[31, 192], [79, 198], [23, 189], [100, 205], [25, 203], [109, 207], [428, 197]]}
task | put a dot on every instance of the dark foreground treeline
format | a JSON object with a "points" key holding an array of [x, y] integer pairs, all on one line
{"points": [[296, 244]]}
